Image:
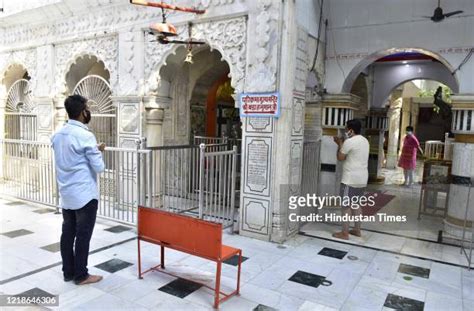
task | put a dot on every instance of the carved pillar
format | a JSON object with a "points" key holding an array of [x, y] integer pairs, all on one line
{"points": [[2, 131], [154, 117], [394, 113], [2, 117], [60, 112], [406, 110], [463, 166], [415, 109], [376, 125], [130, 120], [43, 92]]}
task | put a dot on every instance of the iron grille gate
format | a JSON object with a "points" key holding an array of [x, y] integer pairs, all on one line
{"points": [[20, 114]]}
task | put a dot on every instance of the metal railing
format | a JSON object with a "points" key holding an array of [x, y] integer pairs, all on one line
{"points": [[434, 149], [311, 164], [27, 171], [21, 126], [123, 184], [217, 180], [196, 180]]}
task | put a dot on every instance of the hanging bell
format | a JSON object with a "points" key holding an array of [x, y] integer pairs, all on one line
{"points": [[189, 57]]}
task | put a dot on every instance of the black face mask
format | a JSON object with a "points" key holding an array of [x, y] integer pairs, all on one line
{"points": [[87, 117]]}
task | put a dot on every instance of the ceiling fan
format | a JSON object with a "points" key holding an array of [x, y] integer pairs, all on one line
{"points": [[438, 15]]}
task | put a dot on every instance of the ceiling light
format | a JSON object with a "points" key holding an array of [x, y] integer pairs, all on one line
{"points": [[405, 62]]}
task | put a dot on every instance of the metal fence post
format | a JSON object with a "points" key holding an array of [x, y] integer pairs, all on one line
{"points": [[232, 189], [139, 175], [151, 176], [202, 148]]}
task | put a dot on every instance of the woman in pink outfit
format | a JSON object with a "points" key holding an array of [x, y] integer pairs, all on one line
{"points": [[407, 159]]}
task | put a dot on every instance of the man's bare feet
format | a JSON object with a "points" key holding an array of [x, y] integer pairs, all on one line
{"points": [[355, 232], [341, 235], [90, 279]]}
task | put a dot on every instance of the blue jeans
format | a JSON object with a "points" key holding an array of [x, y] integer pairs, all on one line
{"points": [[75, 238]]}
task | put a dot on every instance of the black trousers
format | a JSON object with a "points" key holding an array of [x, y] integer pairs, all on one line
{"points": [[75, 238]]}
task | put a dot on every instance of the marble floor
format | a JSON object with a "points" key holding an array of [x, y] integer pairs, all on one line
{"points": [[306, 273]]}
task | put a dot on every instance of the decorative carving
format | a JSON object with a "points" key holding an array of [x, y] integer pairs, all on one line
{"points": [[262, 70], [44, 85], [302, 65], [104, 48], [229, 38], [26, 58], [259, 125], [226, 36], [297, 116], [155, 57], [96, 22], [129, 119], [255, 215], [258, 151], [208, 3]]}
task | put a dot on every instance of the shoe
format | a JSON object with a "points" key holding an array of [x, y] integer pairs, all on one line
{"points": [[355, 232], [68, 279], [341, 235], [90, 279]]}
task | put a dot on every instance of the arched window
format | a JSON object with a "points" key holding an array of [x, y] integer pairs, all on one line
{"points": [[20, 112], [103, 123]]}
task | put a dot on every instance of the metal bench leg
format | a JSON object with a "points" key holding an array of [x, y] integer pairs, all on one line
{"points": [[139, 261], [218, 285], [162, 257], [238, 273]]}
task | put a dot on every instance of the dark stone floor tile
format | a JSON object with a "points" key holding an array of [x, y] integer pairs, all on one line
{"points": [[114, 265], [234, 260], [118, 229], [180, 288], [53, 248], [261, 307], [309, 279], [43, 211], [402, 303], [414, 270], [14, 203], [17, 233], [331, 252]]}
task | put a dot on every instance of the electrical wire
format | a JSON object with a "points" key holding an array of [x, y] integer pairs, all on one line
{"points": [[334, 47], [464, 61], [318, 39]]}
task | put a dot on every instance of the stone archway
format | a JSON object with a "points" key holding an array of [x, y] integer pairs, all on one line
{"points": [[105, 49], [368, 60], [229, 37], [88, 76], [181, 83]]}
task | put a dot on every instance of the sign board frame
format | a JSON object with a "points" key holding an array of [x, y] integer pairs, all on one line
{"points": [[259, 104]]}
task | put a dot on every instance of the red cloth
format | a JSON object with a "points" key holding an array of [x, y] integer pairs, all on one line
{"points": [[408, 157]]}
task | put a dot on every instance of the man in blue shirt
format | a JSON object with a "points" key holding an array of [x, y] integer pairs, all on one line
{"points": [[78, 160]]}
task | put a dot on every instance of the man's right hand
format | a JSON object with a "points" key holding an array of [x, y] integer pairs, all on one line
{"points": [[101, 147], [338, 140]]}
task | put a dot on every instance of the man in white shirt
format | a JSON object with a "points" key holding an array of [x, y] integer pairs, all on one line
{"points": [[78, 160], [353, 150]]}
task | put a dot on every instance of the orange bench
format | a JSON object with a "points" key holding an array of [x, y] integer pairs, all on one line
{"points": [[189, 235]]}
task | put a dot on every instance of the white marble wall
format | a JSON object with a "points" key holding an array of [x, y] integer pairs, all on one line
{"points": [[459, 198], [358, 29]]}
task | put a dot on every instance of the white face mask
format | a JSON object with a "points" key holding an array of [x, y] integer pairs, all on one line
{"points": [[409, 133]]}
